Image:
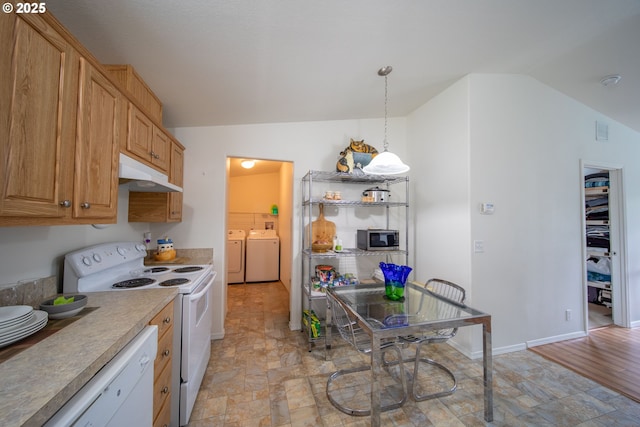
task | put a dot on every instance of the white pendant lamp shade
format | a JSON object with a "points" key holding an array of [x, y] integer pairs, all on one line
{"points": [[385, 163]]}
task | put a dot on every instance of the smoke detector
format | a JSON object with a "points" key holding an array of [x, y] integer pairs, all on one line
{"points": [[611, 79]]}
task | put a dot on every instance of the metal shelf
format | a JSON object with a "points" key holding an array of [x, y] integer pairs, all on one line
{"points": [[351, 252], [312, 196], [354, 178], [347, 203]]}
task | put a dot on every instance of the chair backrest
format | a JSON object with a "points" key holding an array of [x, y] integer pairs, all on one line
{"points": [[446, 289], [348, 327], [452, 292]]}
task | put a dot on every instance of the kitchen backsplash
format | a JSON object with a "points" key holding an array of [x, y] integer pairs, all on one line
{"points": [[191, 256], [28, 292]]}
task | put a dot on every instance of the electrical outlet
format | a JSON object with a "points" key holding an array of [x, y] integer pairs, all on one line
{"points": [[478, 246], [567, 315]]}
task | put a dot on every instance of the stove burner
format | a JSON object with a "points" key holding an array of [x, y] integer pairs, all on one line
{"points": [[133, 283], [175, 282], [156, 269], [188, 269]]}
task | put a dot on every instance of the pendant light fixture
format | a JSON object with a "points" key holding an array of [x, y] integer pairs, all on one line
{"points": [[385, 163]]}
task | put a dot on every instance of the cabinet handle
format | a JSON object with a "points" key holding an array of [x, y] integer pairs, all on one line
{"points": [[85, 205], [167, 320], [65, 203], [165, 390], [166, 353], [154, 155]]}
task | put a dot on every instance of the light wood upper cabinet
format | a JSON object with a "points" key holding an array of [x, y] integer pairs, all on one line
{"points": [[59, 129], [147, 141], [38, 101], [176, 177], [160, 149], [97, 151], [63, 122], [139, 133], [161, 207]]}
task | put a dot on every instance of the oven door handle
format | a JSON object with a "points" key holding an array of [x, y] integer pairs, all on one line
{"points": [[205, 288]]}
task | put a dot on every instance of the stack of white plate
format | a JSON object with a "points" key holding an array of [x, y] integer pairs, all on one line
{"points": [[20, 321]]}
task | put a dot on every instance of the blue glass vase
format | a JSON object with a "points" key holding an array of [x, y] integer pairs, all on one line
{"points": [[395, 277]]}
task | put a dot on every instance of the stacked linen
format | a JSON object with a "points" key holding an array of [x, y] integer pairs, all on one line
{"points": [[20, 321], [597, 209], [598, 237], [599, 270], [600, 179]]}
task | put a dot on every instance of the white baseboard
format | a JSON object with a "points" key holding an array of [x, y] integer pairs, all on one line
{"points": [[217, 336], [549, 340]]}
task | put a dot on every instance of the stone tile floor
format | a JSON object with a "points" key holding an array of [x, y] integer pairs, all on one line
{"points": [[261, 374]]}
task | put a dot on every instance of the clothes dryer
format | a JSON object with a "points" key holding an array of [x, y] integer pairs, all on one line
{"points": [[263, 256], [235, 256]]}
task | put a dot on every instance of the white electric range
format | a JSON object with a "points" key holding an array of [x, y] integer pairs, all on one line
{"points": [[119, 267]]}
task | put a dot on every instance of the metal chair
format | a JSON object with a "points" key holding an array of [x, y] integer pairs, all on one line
{"points": [[351, 332], [450, 292]]}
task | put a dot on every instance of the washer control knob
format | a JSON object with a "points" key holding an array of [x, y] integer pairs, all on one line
{"points": [[121, 251], [97, 258], [86, 261]]}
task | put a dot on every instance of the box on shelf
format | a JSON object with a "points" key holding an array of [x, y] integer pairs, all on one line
{"points": [[312, 322]]}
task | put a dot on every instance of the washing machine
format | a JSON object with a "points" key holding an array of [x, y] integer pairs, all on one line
{"points": [[263, 256], [235, 256]]}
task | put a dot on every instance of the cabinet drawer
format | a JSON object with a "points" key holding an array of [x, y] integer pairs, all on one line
{"points": [[163, 417], [164, 319], [162, 389], [165, 352]]}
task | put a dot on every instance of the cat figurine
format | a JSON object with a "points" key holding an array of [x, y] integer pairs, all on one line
{"points": [[353, 156]]}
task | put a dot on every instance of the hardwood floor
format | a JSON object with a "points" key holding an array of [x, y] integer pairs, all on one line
{"points": [[608, 356]]}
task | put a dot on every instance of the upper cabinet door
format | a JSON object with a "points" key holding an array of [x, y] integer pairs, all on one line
{"points": [[160, 149], [38, 94], [139, 133], [96, 169], [176, 177]]}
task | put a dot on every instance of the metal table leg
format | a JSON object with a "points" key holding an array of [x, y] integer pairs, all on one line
{"points": [[487, 365]]}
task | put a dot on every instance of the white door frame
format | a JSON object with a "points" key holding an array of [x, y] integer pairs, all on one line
{"points": [[618, 241]]}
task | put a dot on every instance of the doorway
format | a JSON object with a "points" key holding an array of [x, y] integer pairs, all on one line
{"points": [[605, 284], [260, 198]]}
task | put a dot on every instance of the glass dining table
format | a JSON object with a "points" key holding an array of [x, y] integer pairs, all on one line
{"points": [[419, 311]]}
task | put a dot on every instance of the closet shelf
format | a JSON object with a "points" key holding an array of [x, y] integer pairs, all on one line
{"points": [[600, 285], [596, 191]]}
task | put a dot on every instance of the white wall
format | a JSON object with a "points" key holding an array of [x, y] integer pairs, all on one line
{"points": [[254, 193], [286, 222], [501, 138], [439, 147], [525, 142], [309, 145], [31, 252]]}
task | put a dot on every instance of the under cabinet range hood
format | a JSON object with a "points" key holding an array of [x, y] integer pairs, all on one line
{"points": [[142, 178]]}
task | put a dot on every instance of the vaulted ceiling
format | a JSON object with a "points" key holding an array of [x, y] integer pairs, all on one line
{"points": [[224, 62]]}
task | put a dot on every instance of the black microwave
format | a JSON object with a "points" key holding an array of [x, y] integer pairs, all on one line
{"points": [[378, 240]]}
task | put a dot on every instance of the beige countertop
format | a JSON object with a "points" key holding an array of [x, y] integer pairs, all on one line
{"points": [[40, 379]]}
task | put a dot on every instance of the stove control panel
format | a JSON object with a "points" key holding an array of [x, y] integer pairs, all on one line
{"points": [[94, 259]]}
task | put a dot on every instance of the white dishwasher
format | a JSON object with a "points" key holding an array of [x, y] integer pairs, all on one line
{"points": [[121, 393]]}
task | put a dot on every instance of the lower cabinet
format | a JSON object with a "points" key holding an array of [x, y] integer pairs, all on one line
{"points": [[162, 367]]}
